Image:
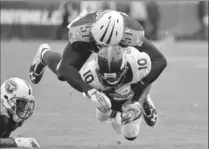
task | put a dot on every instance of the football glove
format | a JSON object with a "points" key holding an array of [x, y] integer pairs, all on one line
{"points": [[99, 98], [131, 112], [26, 142]]}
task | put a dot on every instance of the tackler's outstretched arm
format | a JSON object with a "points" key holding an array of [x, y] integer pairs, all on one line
{"points": [[158, 60]]}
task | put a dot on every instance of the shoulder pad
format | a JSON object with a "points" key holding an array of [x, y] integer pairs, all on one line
{"points": [[88, 19]]}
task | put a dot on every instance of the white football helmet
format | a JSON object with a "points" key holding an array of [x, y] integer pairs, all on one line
{"points": [[17, 98], [108, 28]]}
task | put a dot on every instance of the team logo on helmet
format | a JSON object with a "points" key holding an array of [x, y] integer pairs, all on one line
{"points": [[11, 87]]}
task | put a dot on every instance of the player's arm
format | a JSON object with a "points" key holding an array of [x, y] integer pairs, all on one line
{"points": [[9, 142], [74, 56], [159, 62], [134, 36]]}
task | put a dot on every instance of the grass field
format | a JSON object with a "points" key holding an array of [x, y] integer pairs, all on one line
{"points": [[63, 120]]}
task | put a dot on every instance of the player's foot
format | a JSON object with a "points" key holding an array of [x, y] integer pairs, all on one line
{"points": [[149, 112], [38, 66]]}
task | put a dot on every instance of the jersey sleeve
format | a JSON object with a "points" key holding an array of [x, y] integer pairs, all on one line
{"points": [[144, 65], [140, 63], [87, 72], [133, 34]]}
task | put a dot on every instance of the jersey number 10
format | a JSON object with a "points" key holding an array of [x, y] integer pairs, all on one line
{"points": [[142, 63]]}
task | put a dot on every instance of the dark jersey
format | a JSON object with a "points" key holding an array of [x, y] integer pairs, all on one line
{"points": [[7, 125]]}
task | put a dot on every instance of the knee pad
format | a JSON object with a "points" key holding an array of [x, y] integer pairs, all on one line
{"points": [[101, 116], [130, 131]]}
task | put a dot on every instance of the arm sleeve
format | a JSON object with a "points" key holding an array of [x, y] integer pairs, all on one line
{"points": [[158, 61], [74, 56]]}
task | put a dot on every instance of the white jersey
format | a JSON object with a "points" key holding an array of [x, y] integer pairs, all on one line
{"points": [[140, 65]]}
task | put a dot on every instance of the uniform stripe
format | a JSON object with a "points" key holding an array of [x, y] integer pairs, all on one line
{"points": [[102, 38], [108, 41], [109, 56], [29, 92]]}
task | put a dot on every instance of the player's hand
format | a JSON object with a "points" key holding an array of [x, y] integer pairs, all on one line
{"points": [[131, 112], [26, 142], [100, 99]]}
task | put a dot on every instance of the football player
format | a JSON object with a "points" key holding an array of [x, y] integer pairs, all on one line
{"points": [[17, 105], [115, 71], [88, 33]]}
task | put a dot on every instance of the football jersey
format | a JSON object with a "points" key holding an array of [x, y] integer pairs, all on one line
{"points": [[79, 30], [139, 64]]}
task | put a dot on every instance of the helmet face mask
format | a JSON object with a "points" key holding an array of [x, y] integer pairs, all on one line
{"points": [[111, 65], [22, 108], [112, 78]]}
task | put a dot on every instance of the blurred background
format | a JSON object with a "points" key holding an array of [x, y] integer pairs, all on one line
{"points": [[186, 20]]}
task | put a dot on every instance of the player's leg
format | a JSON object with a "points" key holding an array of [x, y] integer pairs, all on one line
{"points": [[44, 57], [149, 111], [131, 130], [51, 59]]}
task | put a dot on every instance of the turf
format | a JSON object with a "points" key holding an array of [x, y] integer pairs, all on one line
{"points": [[63, 120]]}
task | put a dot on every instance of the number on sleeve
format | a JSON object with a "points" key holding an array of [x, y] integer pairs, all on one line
{"points": [[142, 63], [88, 77]]}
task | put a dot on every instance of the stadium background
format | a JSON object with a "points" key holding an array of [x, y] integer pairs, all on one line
{"points": [[62, 119]]}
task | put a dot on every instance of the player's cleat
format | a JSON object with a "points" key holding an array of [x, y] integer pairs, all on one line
{"points": [[149, 112], [38, 66]]}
